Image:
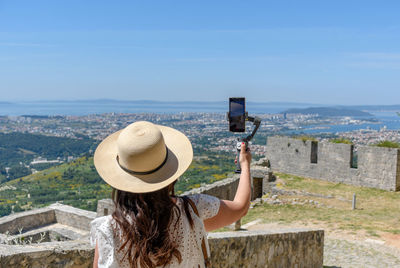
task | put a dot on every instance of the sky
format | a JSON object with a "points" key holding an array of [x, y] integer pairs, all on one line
{"points": [[328, 52]]}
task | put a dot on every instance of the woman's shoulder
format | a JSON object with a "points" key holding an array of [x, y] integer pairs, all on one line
{"points": [[100, 228], [206, 205], [97, 222]]}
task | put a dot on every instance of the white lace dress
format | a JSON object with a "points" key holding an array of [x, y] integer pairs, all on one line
{"points": [[189, 239]]}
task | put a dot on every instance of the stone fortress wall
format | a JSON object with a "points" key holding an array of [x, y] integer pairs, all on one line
{"points": [[377, 167], [272, 248]]}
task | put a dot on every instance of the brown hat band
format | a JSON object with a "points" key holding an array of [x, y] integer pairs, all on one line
{"points": [[144, 172]]}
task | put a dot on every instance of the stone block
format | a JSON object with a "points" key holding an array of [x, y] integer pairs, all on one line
{"points": [[74, 217], [105, 207], [47, 255], [280, 248], [377, 167], [27, 220]]}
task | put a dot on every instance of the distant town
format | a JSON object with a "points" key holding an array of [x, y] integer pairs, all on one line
{"points": [[206, 130]]}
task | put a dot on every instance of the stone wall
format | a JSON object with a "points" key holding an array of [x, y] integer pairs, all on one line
{"points": [[44, 220], [277, 248], [48, 255], [377, 167], [105, 207], [223, 189], [27, 220], [74, 217], [282, 248]]}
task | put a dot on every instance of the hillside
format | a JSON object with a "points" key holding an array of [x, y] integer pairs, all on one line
{"points": [[78, 184], [17, 150]]}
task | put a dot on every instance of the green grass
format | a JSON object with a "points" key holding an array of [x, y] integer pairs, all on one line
{"points": [[388, 144], [341, 140], [305, 138], [377, 210]]}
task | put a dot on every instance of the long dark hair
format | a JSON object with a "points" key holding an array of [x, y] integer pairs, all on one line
{"points": [[142, 225]]}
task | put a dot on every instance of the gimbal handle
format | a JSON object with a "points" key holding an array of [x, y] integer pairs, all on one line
{"points": [[256, 122]]}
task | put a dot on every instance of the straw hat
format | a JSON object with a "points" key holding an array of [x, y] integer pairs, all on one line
{"points": [[143, 157]]}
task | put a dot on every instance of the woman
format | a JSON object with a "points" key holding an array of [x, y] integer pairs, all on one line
{"points": [[151, 227]]}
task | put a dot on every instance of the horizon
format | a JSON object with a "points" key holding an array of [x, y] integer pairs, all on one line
{"points": [[194, 102], [332, 53], [101, 106]]}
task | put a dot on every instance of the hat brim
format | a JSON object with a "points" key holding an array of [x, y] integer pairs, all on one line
{"points": [[180, 155]]}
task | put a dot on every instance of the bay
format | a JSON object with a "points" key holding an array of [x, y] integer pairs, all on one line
{"points": [[386, 119], [86, 107]]}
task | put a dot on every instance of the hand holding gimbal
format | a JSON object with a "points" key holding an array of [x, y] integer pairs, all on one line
{"points": [[237, 117]]}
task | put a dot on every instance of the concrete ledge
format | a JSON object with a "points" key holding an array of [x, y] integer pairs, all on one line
{"points": [[27, 220], [281, 248], [52, 254], [49, 233], [56, 220], [74, 217], [223, 189]]}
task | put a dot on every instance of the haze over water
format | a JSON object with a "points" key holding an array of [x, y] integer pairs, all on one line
{"points": [[388, 119], [111, 106]]}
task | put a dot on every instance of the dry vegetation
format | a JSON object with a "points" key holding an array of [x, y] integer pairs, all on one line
{"points": [[377, 213]]}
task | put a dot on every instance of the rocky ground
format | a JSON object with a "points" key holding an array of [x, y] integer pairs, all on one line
{"points": [[349, 250], [342, 248], [344, 253]]}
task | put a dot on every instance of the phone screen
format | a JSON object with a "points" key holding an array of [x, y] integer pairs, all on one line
{"points": [[237, 114]]}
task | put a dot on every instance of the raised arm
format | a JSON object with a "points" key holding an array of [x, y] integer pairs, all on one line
{"points": [[96, 257], [231, 211]]}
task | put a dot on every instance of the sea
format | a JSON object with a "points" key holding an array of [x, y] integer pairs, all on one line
{"points": [[385, 119], [388, 120], [86, 107]]}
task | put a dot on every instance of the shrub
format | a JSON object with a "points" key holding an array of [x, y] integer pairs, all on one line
{"points": [[305, 138], [341, 140], [388, 144]]}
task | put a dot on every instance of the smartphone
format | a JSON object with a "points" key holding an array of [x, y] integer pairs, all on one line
{"points": [[237, 117]]}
